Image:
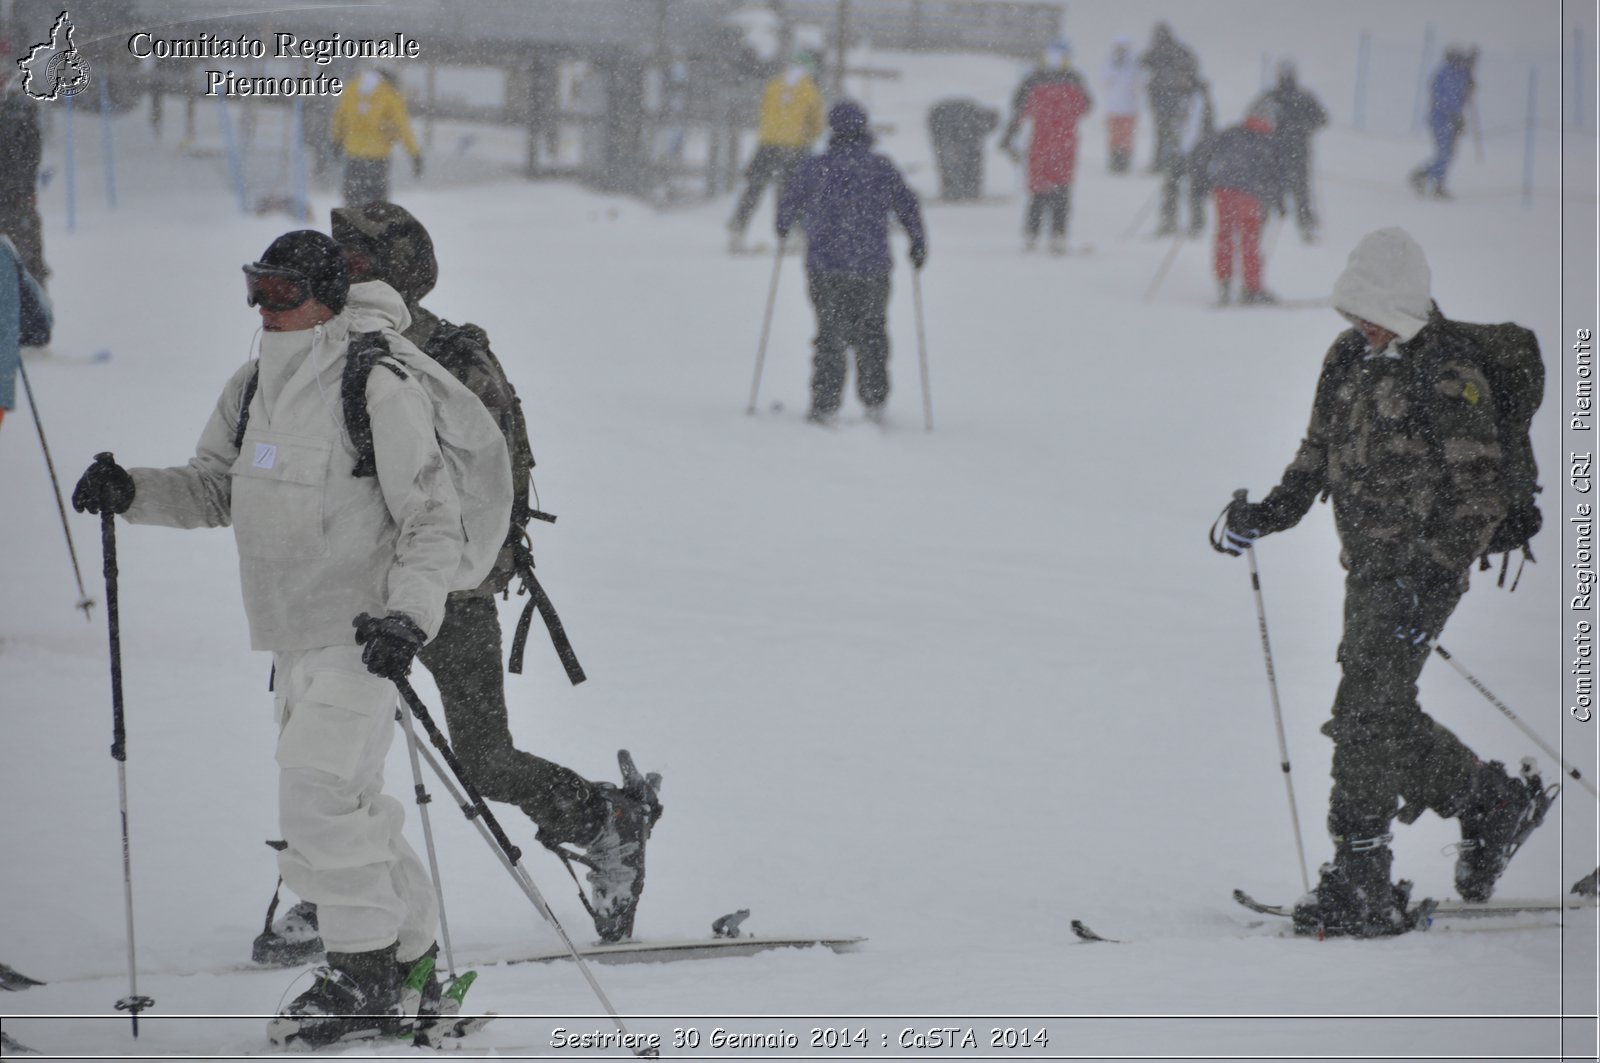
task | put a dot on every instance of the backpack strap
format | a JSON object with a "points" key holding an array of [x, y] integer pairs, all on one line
{"points": [[540, 601], [244, 407], [366, 350]]}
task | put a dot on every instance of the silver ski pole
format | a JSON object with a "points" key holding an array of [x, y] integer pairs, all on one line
{"points": [[133, 1003], [1505, 710], [427, 835], [922, 349], [473, 807], [84, 601], [1166, 264], [766, 322]]}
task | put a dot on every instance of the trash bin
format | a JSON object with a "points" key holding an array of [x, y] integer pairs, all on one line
{"points": [[959, 128]]}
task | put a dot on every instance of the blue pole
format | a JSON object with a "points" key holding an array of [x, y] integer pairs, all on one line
{"points": [[235, 164], [70, 165], [1422, 78], [106, 145], [297, 161], [1363, 57], [1531, 131]]}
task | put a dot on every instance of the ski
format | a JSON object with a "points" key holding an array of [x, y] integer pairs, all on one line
{"points": [[424, 1029], [1453, 909], [1080, 929], [667, 949], [14, 980], [10, 1046]]}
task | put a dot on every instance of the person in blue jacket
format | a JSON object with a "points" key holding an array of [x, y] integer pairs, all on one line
{"points": [[25, 319], [842, 198], [1452, 91]]}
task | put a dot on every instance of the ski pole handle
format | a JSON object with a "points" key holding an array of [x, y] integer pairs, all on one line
{"points": [[1241, 495]]}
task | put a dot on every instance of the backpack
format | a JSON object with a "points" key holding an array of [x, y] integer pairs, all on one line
{"points": [[457, 375]]}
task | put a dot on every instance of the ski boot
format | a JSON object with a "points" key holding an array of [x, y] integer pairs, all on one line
{"points": [[1419, 181], [1500, 813], [1354, 897], [1224, 292], [291, 941], [874, 415], [616, 855], [421, 995], [356, 996], [1256, 297]]}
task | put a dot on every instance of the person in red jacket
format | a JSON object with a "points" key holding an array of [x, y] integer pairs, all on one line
{"points": [[1053, 98]]}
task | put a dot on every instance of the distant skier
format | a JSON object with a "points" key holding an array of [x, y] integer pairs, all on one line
{"points": [[21, 149], [1174, 70], [842, 198], [1240, 165], [790, 122], [25, 318], [1404, 439], [369, 120], [1300, 114], [1451, 94], [958, 128], [1053, 98], [1121, 81], [1196, 122]]}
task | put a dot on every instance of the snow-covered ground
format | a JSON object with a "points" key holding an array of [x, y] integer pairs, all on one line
{"points": [[944, 690]]}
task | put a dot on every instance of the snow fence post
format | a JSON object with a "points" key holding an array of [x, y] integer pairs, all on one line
{"points": [[1531, 131], [1363, 59], [235, 164], [69, 164], [106, 144], [1577, 76], [1422, 79]]}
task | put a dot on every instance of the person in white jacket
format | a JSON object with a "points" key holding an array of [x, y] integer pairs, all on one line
{"points": [[318, 547], [1122, 80]]}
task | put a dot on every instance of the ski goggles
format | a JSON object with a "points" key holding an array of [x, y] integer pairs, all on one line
{"points": [[272, 288]]}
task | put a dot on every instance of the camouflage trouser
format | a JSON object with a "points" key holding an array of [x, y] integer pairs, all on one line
{"points": [[1384, 746], [467, 667]]}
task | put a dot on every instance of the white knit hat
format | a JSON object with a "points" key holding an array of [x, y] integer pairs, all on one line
{"points": [[1387, 282]]}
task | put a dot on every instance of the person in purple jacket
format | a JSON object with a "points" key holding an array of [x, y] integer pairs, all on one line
{"points": [[842, 198]]}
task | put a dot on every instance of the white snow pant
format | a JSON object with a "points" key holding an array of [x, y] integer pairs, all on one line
{"points": [[345, 850]]}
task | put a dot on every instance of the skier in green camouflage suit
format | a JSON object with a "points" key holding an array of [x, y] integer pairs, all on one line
{"points": [[1404, 439]]}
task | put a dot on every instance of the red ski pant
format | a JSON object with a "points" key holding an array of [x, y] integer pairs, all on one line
{"points": [[1121, 127], [1238, 222]]}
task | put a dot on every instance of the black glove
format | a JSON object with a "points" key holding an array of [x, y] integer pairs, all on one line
{"points": [[104, 487], [390, 643], [1518, 529], [919, 255], [1242, 526], [416, 166]]}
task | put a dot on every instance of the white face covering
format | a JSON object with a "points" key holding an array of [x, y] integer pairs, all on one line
{"points": [[794, 74], [367, 82]]}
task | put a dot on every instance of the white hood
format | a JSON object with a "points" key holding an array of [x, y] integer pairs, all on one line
{"points": [[1387, 282], [373, 305]]}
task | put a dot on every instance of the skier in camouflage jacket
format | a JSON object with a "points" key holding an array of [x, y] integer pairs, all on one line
{"points": [[1405, 442]]}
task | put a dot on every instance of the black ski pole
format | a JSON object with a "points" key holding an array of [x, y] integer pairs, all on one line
{"points": [[84, 601], [133, 1003], [922, 349], [766, 322], [477, 810]]}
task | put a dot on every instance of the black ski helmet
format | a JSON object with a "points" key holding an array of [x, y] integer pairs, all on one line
{"points": [[317, 258]]}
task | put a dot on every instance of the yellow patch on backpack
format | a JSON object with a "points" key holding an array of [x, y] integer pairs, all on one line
{"points": [[1469, 391]]}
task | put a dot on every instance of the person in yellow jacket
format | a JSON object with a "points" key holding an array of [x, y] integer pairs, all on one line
{"points": [[791, 120], [370, 117]]}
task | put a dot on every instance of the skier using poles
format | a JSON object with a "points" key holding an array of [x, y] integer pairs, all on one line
{"points": [[1242, 168], [25, 318], [326, 546], [384, 242], [1196, 121], [790, 122], [1408, 438], [1300, 114], [842, 198], [1450, 95], [21, 150], [1053, 98]]}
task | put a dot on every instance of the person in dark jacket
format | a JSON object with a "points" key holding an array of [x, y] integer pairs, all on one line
{"points": [[1405, 440], [842, 198], [1451, 93], [958, 128], [1198, 121], [1053, 98], [1300, 114], [21, 148], [1240, 165], [1174, 71]]}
